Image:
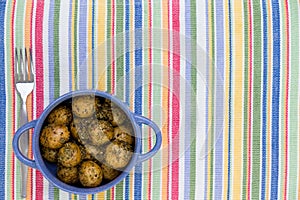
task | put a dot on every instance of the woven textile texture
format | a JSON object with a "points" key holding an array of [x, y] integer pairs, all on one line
{"points": [[219, 77]]}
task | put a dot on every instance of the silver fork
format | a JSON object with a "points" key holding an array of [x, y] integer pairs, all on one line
{"points": [[24, 82]]}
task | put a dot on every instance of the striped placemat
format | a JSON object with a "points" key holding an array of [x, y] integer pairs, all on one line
{"points": [[220, 78]]}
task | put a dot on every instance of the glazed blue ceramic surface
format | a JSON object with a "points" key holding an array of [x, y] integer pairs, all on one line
{"points": [[49, 169]]}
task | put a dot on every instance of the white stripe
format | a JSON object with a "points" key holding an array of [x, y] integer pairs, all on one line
{"points": [[46, 76], [201, 99], [45, 53], [64, 47], [181, 134]]}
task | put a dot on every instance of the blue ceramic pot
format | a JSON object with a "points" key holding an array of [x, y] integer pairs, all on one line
{"points": [[49, 169]]}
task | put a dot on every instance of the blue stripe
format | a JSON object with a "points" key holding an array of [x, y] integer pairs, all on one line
{"points": [[138, 83], [127, 76], [229, 100], [93, 45], [2, 101], [218, 143], [187, 135], [51, 51], [70, 45], [275, 98], [264, 102], [82, 75], [51, 68]]}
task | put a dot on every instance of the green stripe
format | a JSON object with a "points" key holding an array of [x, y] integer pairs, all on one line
{"points": [[108, 56], [19, 37], [120, 69], [146, 72], [120, 49], [156, 57], [193, 98], [75, 43], [257, 62], [294, 97], [283, 102], [9, 101], [212, 92], [246, 96], [56, 61], [56, 48]]}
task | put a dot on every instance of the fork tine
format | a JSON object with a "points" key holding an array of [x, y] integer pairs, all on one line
{"points": [[32, 70], [22, 66], [26, 66]]}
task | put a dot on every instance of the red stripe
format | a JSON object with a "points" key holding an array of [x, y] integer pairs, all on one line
{"points": [[39, 80], [168, 118], [250, 98], [13, 92], [150, 93], [175, 97], [113, 48], [287, 97]]}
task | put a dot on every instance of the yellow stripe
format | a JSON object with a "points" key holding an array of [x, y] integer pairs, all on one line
{"points": [[270, 52], [226, 117], [101, 50], [89, 61], [131, 98], [209, 114], [238, 101]]}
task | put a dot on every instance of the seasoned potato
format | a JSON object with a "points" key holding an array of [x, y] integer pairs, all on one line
{"points": [[54, 136], [123, 134], [79, 128], [101, 132], [69, 155], [90, 174], [68, 175], [118, 116], [109, 173], [84, 106], [118, 154], [49, 154], [60, 115]]}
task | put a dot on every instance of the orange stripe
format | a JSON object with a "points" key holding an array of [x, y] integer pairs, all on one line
{"points": [[165, 103], [28, 22]]}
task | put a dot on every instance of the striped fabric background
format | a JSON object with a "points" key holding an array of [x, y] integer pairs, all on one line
{"points": [[219, 77]]}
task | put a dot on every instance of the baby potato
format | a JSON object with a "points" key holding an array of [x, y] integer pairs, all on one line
{"points": [[118, 154], [123, 134], [69, 155], [101, 132], [118, 116], [109, 173], [60, 115], [49, 154], [90, 174], [84, 106], [68, 175], [54, 136], [79, 128]]}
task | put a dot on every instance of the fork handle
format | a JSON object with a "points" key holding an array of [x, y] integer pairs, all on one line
{"points": [[23, 145]]}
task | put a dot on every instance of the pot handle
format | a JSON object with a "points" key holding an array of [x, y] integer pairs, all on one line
{"points": [[15, 143], [143, 120]]}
